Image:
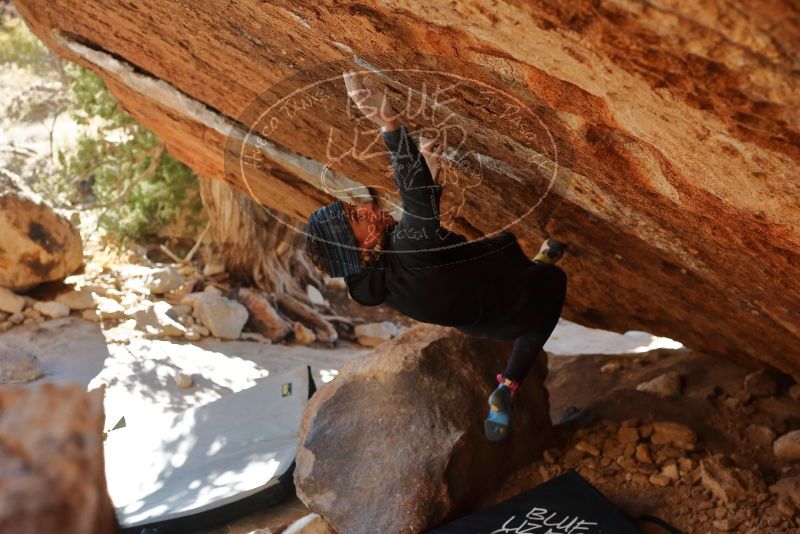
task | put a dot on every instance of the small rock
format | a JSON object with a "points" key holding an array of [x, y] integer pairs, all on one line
{"points": [[787, 447], [212, 290], [671, 471], [213, 268], [731, 403], [17, 365], [667, 432], [794, 392], [225, 318], [52, 309], [659, 480], [32, 313], [11, 302], [667, 453], [628, 434], [643, 453], [666, 385], [16, 318], [611, 367], [77, 300], [315, 296], [163, 280], [587, 447], [192, 334], [787, 488], [302, 334], [633, 421], [91, 315], [373, 334], [760, 435], [760, 384], [183, 381]]}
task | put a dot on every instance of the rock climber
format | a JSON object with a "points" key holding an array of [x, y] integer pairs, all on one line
{"points": [[485, 288]]}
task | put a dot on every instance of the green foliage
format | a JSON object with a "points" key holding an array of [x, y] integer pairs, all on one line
{"points": [[112, 166], [20, 46]]}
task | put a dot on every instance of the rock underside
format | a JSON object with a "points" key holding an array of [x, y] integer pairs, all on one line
{"points": [[660, 139]]}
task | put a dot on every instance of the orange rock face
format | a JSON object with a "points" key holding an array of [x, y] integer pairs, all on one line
{"points": [[660, 139]]}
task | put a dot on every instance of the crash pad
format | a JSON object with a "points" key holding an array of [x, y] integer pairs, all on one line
{"points": [[210, 458], [566, 504]]}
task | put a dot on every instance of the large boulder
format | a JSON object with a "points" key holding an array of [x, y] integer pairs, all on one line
{"points": [[51, 462], [36, 243], [660, 140], [395, 443]]}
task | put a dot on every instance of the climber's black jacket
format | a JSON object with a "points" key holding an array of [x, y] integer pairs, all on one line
{"points": [[432, 274]]}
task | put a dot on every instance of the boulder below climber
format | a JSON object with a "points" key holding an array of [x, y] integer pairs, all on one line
{"points": [[52, 461], [395, 442], [37, 244]]}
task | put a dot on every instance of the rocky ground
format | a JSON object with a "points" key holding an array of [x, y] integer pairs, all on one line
{"points": [[712, 447], [706, 445], [187, 301]]}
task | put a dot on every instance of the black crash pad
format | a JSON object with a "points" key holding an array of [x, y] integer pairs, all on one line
{"points": [[566, 504]]}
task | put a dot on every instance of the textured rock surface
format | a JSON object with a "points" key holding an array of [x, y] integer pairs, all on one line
{"points": [[423, 397], [51, 462], [36, 244], [17, 364], [674, 126]]}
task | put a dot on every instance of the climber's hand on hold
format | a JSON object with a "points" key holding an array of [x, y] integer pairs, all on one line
{"points": [[371, 100], [433, 156]]}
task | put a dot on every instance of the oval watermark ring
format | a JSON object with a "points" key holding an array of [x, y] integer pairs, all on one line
{"points": [[270, 123]]}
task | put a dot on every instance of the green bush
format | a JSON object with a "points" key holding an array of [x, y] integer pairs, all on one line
{"points": [[20, 46], [115, 159], [109, 168]]}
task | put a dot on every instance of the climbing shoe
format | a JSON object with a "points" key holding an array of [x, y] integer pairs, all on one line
{"points": [[551, 251], [498, 421]]}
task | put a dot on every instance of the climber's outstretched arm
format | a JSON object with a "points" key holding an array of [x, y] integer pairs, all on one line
{"points": [[420, 194]]}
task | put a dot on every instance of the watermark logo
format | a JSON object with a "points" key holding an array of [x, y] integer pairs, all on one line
{"points": [[493, 160]]}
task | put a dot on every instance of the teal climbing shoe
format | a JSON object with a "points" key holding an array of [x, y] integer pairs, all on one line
{"points": [[498, 422]]}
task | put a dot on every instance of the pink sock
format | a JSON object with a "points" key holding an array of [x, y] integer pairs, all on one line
{"points": [[511, 387]]}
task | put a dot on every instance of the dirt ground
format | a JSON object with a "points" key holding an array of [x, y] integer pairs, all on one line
{"points": [[719, 484]]}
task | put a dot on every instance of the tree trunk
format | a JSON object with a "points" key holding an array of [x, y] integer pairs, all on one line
{"points": [[259, 250]]}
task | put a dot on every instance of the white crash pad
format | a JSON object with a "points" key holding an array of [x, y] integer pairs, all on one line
{"points": [[208, 456]]}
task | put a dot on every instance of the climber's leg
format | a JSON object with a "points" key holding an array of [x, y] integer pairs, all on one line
{"points": [[542, 321], [545, 311]]}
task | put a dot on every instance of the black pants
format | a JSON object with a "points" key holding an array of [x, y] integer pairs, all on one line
{"points": [[526, 310], [542, 317]]}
